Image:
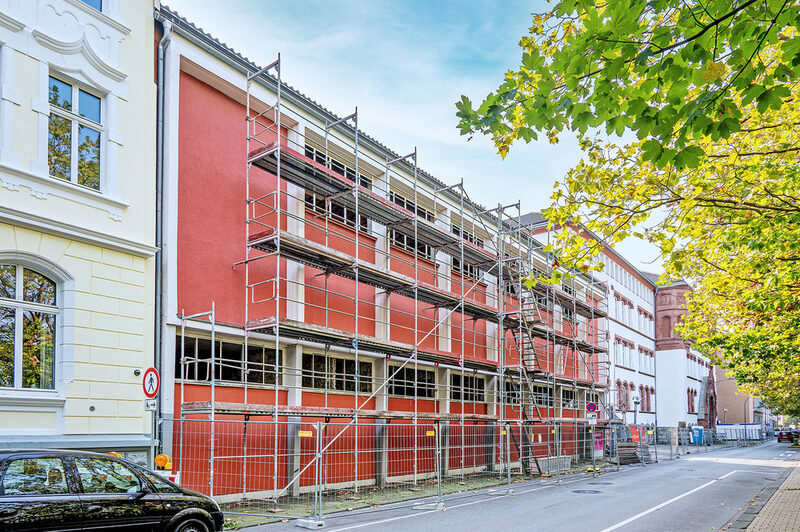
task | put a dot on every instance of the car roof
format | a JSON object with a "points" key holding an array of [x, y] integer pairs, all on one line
{"points": [[13, 453]]}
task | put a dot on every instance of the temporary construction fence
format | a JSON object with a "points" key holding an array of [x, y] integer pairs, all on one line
{"points": [[312, 471]]}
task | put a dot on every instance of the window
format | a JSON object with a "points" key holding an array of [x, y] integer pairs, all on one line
{"points": [[333, 373], [97, 4], [259, 367], [336, 166], [568, 399], [335, 211], [466, 235], [160, 484], [34, 476], [407, 243], [666, 327], [542, 396], [408, 205], [466, 270], [403, 382], [27, 328], [99, 475], [474, 387], [511, 394], [74, 131]]}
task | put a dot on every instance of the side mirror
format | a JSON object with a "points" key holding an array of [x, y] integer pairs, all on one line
{"points": [[139, 494]]}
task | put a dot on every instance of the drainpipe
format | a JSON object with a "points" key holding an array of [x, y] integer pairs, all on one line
{"points": [[158, 326]]}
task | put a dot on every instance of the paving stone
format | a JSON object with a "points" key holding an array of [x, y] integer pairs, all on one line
{"points": [[781, 513]]}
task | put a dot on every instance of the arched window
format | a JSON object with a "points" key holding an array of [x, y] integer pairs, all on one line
{"points": [[666, 327], [28, 313], [620, 394]]}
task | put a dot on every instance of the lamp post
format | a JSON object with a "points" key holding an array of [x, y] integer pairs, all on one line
{"points": [[635, 408], [744, 409], [724, 416]]}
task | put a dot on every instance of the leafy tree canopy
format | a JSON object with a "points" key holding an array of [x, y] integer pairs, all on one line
{"points": [[704, 99]]}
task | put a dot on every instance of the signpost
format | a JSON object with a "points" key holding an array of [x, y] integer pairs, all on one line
{"points": [[591, 416], [151, 382]]}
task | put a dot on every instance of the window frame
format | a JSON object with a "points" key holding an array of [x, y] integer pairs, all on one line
{"points": [[19, 307], [76, 120]]}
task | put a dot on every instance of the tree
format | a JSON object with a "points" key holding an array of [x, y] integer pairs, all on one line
{"points": [[703, 97]]}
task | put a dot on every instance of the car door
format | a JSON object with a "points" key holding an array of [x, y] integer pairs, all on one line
{"points": [[114, 496], [36, 494]]}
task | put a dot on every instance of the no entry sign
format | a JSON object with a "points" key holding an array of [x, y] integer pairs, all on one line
{"points": [[150, 383]]}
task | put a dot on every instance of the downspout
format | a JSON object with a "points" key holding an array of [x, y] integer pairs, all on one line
{"points": [[162, 44]]}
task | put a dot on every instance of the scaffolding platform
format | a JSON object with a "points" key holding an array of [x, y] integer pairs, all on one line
{"points": [[336, 262], [314, 177], [327, 335], [243, 409]]}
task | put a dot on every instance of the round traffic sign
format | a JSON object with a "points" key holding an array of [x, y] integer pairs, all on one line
{"points": [[591, 407], [151, 382]]}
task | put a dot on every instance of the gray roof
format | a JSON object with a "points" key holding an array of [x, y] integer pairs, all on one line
{"points": [[652, 277]]}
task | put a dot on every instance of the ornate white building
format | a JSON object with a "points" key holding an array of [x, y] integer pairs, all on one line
{"points": [[77, 212]]}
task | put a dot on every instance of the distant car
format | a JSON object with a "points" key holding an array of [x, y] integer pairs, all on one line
{"points": [[785, 435], [74, 490]]}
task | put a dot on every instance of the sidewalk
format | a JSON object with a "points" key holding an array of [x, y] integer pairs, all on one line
{"points": [[782, 512]]}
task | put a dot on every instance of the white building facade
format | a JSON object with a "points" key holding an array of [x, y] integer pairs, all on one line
{"points": [[631, 341], [77, 211]]}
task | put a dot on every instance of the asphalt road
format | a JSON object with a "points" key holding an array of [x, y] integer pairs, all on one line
{"points": [[693, 493]]}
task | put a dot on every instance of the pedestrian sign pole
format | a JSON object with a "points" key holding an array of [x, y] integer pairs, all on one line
{"points": [[591, 416], [151, 382]]}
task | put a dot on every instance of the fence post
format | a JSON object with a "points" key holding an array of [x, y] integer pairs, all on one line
{"points": [[505, 442], [316, 517], [437, 464]]}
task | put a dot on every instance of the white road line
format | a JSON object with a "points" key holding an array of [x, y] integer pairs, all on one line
{"points": [[470, 503], [659, 506]]}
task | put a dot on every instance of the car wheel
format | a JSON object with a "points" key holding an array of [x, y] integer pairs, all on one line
{"points": [[192, 525]]}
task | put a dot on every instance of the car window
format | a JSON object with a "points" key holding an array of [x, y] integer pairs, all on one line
{"points": [[34, 476], [161, 485], [106, 476]]}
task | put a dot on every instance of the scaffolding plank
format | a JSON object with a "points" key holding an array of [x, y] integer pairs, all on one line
{"points": [[325, 258], [249, 409], [317, 178], [327, 335]]}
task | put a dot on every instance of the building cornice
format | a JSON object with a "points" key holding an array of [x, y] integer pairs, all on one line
{"points": [[73, 232]]}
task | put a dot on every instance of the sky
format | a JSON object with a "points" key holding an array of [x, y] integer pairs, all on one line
{"points": [[405, 64]]}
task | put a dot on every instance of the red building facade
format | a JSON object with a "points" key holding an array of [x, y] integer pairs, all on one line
{"points": [[347, 284]]}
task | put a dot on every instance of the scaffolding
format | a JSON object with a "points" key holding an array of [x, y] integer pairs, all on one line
{"points": [[368, 258]]}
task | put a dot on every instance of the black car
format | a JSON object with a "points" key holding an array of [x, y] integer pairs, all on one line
{"points": [[74, 490]]}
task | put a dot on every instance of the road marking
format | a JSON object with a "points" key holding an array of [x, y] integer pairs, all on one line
{"points": [[470, 503], [659, 506]]}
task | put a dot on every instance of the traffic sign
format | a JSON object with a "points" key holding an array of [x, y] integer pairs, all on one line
{"points": [[591, 415], [591, 407], [150, 383], [592, 422], [150, 405]]}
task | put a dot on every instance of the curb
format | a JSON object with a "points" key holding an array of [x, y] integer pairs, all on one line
{"points": [[744, 518]]}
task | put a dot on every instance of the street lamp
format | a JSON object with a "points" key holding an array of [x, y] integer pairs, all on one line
{"points": [[724, 416], [635, 408]]}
